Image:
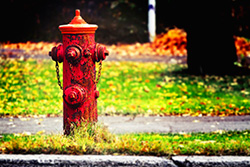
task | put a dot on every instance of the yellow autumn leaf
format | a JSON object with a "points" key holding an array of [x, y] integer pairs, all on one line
{"points": [[40, 132]]}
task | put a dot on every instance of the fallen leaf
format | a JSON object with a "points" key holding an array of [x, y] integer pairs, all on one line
{"points": [[40, 132]]}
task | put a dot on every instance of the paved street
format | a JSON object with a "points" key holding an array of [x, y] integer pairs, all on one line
{"points": [[121, 125]]}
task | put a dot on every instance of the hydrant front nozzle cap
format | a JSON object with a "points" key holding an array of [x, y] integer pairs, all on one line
{"points": [[78, 25]]}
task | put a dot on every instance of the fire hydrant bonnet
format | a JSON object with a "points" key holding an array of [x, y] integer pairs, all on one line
{"points": [[78, 26]]}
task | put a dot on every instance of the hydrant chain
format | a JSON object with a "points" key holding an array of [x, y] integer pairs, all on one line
{"points": [[99, 72], [93, 75], [58, 76]]}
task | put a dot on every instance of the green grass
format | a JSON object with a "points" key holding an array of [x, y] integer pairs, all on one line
{"points": [[126, 88], [29, 88], [97, 140]]}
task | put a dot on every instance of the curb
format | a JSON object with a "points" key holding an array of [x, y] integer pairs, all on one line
{"points": [[212, 161], [12, 160], [40, 160]]}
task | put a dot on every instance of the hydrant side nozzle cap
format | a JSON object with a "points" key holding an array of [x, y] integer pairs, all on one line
{"points": [[78, 25]]}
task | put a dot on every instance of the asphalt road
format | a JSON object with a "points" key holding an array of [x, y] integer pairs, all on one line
{"points": [[121, 124]]}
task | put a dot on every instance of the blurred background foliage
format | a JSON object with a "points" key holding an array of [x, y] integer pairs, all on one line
{"points": [[119, 21]]}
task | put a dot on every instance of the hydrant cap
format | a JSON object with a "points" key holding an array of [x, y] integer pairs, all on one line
{"points": [[78, 26]]}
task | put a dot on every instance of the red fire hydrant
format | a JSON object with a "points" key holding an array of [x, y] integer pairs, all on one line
{"points": [[79, 52]]}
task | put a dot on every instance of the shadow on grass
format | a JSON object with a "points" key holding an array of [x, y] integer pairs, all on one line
{"points": [[236, 71]]}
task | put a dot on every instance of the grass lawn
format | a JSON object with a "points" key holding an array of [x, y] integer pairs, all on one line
{"points": [[126, 88], [97, 140]]}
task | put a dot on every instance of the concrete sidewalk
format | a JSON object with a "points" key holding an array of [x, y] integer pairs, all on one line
{"points": [[132, 161], [121, 124]]}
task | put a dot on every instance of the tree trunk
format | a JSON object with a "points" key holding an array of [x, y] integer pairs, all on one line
{"points": [[210, 42]]}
